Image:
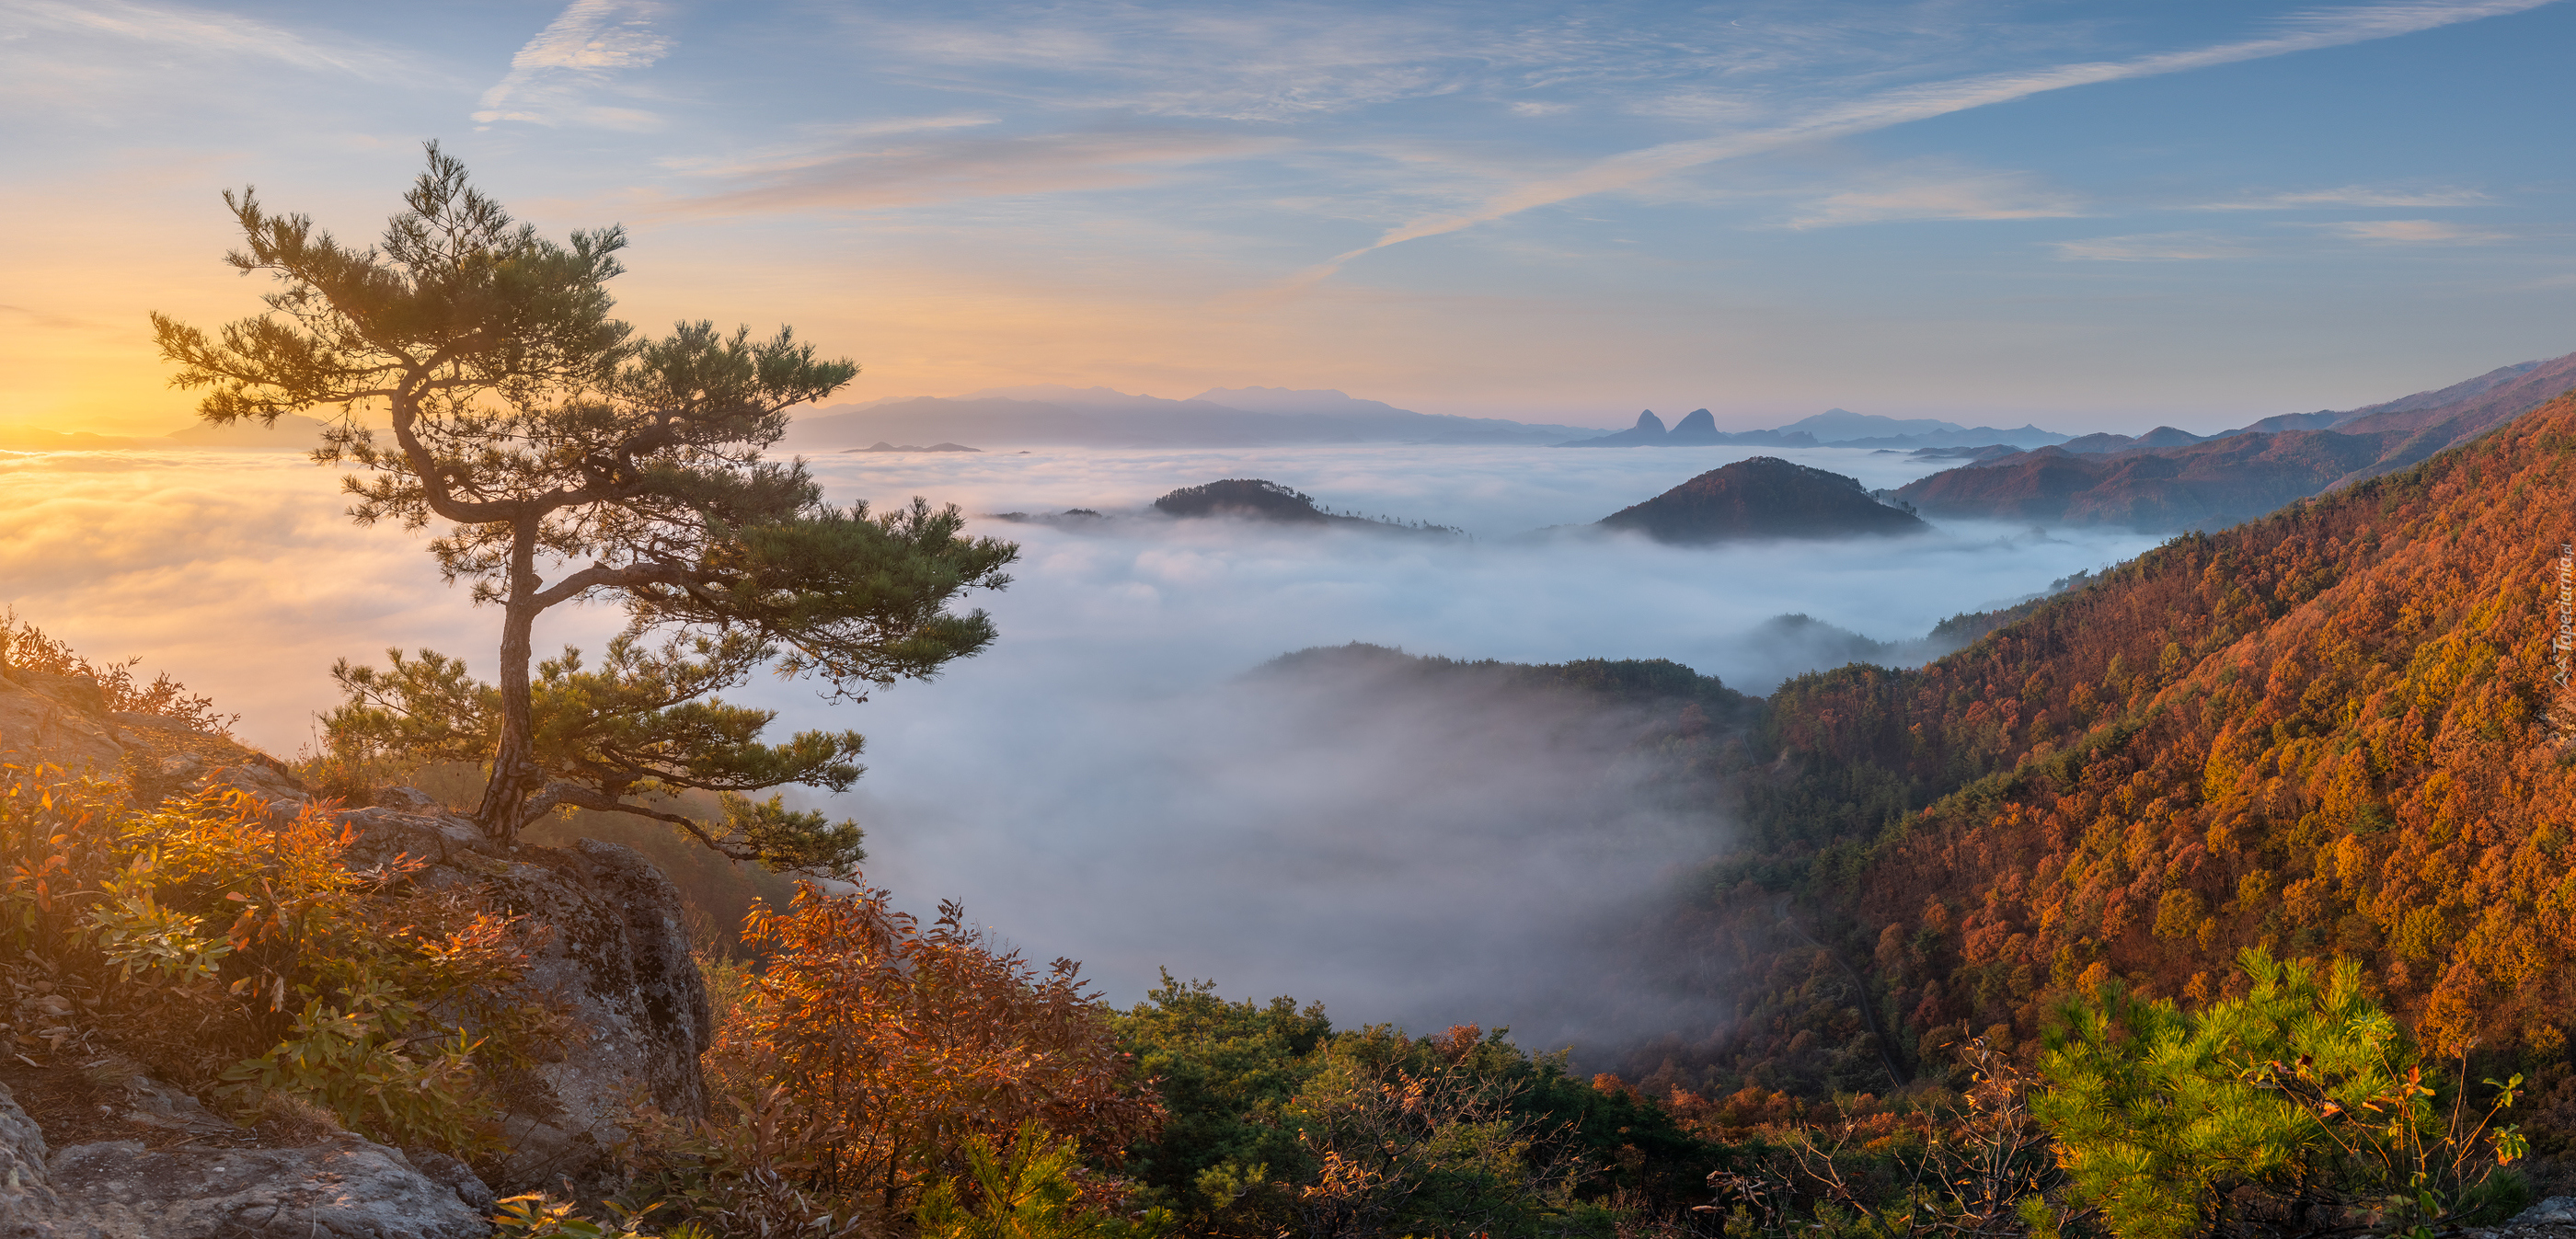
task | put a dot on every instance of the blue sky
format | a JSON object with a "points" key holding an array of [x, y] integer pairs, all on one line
{"points": [[2096, 216]]}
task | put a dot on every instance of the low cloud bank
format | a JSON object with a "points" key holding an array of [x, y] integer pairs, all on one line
{"points": [[1106, 783]]}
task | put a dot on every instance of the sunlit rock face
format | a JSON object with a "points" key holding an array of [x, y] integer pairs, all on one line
{"points": [[59, 719]]}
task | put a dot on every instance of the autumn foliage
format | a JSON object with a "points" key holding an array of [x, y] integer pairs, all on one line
{"points": [[227, 951], [2323, 733], [25, 647], [899, 1046]]}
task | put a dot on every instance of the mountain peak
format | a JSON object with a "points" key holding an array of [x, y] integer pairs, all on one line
{"points": [[1763, 497]]}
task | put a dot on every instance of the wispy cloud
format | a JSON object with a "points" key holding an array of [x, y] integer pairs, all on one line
{"points": [[2301, 32], [44, 318], [584, 44], [2350, 196], [1994, 195], [2152, 247], [1296, 61], [1208, 63], [2409, 232], [226, 35], [825, 144], [962, 168]]}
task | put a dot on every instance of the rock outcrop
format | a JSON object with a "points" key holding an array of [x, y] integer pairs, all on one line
{"points": [[613, 956], [616, 955], [59, 718]]}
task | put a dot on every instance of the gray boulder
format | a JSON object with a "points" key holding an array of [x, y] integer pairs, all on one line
{"points": [[2553, 1218], [346, 1188], [26, 1195], [2555, 1211]]}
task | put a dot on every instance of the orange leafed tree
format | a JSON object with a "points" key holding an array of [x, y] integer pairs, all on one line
{"points": [[901, 1043]]}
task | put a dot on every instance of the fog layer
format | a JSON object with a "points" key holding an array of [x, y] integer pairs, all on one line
{"points": [[1105, 783]]}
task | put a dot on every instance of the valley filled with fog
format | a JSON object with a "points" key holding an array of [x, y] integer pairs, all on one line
{"points": [[1108, 782]]}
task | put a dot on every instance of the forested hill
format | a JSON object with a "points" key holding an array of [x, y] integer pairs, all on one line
{"points": [[2324, 732]]}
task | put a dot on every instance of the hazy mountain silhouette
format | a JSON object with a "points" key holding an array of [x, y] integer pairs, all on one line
{"points": [[2170, 480], [1056, 416], [1763, 497], [1831, 428]]}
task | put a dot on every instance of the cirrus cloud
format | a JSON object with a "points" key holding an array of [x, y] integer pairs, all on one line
{"points": [[2350, 196], [2153, 247], [962, 168], [581, 47], [2409, 232]]}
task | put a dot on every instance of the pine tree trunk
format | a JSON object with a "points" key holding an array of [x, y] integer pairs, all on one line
{"points": [[515, 777]]}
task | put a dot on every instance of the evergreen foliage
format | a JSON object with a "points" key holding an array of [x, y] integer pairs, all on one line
{"points": [[1277, 1123], [546, 437], [1029, 1189], [2297, 1106]]}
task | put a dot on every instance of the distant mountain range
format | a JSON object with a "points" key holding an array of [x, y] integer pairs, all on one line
{"points": [[293, 432], [1831, 428], [2169, 480], [1057, 416]]}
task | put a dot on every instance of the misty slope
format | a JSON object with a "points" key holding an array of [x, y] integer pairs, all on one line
{"points": [[2323, 732], [1660, 686], [2164, 481], [1598, 782], [1763, 497]]}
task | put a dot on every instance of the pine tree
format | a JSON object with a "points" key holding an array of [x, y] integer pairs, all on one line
{"points": [[2300, 1102], [550, 440]]}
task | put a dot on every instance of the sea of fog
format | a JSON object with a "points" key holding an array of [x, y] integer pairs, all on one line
{"points": [[1104, 783]]}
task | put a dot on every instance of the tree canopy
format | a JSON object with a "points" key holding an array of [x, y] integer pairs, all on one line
{"points": [[565, 459]]}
